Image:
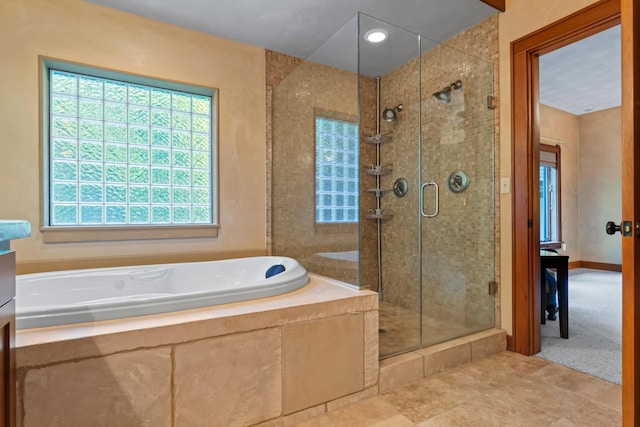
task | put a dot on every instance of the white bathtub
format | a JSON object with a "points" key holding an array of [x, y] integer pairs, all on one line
{"points": [[57, 298]]}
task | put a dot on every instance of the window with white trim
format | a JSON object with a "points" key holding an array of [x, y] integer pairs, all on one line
{"points": [[336, 171], [123, 150], [550, 201]]}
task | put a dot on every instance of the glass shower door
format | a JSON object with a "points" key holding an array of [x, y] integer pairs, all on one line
{"points": [[456, 195]]}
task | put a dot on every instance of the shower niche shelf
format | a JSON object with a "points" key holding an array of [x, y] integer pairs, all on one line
{"points": [[378, 170], [377, 139]]}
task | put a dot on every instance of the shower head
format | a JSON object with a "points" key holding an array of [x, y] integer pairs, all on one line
{"points": [[444, 95], [389, 114]]}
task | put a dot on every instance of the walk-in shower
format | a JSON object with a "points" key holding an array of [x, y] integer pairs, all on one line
{"points": [[364, 168]]}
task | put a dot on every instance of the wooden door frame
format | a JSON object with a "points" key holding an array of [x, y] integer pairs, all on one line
{"points": [[630, 211], [525, 163]]}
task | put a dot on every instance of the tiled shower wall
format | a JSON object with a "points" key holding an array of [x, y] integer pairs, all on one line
{"points": [[457, 136], [295, 98]]}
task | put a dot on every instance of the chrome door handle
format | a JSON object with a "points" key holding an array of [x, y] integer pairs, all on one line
{"points": [[435, 212]]}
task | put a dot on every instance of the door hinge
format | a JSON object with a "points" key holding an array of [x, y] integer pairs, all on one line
{"points": [[493, 287], [491, 102]]}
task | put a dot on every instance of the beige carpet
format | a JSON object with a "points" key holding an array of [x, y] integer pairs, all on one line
{"points": [[595, 326]]}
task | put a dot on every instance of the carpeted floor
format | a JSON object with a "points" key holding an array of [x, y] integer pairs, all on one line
{"points": [[595, 326]]}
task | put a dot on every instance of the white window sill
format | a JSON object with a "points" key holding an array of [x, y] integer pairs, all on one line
{"points": [[143, 232]]}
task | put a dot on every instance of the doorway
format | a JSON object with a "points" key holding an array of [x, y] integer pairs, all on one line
{"points": [[524, 52], [580, 161]]}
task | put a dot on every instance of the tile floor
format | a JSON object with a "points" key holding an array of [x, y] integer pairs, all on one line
{"points": [[506, 389]]}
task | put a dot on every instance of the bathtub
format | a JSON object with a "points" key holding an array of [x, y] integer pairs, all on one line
{"points": [[58, 298]]}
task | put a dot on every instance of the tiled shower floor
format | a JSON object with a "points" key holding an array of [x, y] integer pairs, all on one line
{"points": [[400, 330]]}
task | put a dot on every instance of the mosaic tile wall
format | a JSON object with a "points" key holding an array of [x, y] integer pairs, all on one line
{"points": [[307, 89], [277, 67]]}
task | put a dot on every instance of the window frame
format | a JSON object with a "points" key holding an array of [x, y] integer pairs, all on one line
{"points": [[555, 150], [342, 226], [80, 233]]}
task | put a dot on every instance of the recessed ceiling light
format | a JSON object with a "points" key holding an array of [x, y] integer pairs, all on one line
{"points": [[376, 35]]}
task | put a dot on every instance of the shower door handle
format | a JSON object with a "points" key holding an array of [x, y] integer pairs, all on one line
{"points": [[435, 212]]}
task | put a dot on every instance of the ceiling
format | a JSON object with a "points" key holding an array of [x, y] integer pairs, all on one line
{"points": [[584, 76], [300, 27], [579, 78]]}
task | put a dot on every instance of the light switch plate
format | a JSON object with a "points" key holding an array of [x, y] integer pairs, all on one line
{"points": [[505, 185]]}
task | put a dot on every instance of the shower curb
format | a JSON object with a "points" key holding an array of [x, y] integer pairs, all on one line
{"points": [[408, 368]]}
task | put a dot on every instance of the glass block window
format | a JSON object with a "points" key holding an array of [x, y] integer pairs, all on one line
{"points": [[336, 171], [128, 153]]}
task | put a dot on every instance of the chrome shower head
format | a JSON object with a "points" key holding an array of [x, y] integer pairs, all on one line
{"points": [[389, 114], [444, 95]]}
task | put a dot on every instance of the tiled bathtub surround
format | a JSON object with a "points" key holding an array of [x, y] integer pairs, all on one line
{"points": [[231, 365]]}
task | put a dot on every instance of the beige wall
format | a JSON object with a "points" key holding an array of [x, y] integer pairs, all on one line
{"points": [[520, 19], [82, 32], [600, 184], [591, 181], [558, 127]]}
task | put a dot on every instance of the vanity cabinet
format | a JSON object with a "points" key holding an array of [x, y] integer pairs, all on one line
{"points": [[9, 230], [7, 338]]}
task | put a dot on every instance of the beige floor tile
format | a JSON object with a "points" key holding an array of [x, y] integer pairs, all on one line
{"points": [[321, 421], [363, 414], [419, 401], [523, 364], [460, 416], [395, 421], [490, 371], [596, 415], [562, 423], [458, 386], [610, 397], [505, 410], [558, 401], [575, 381]]}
